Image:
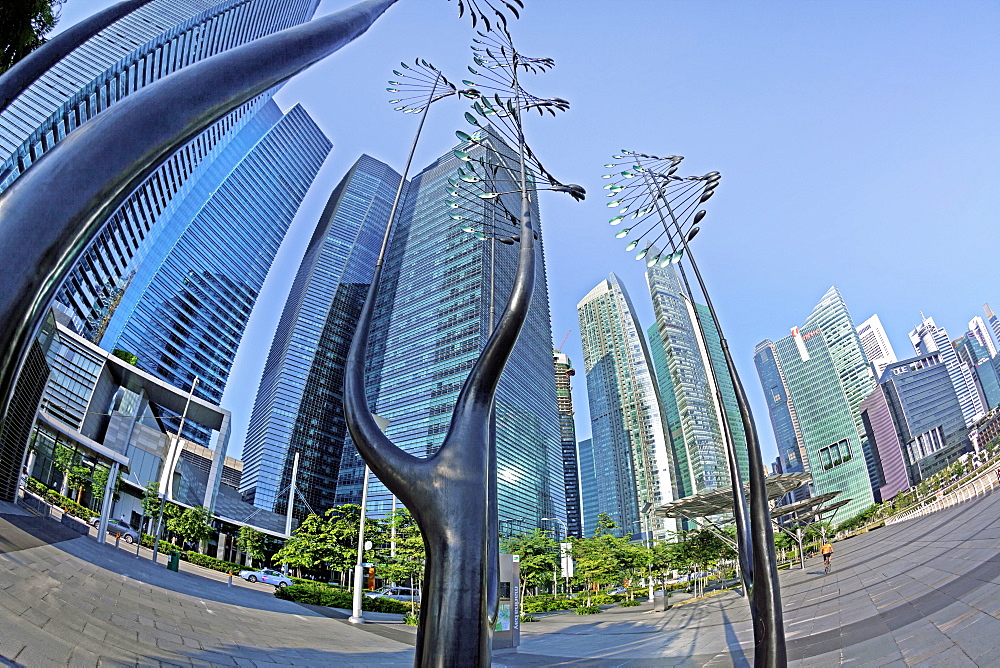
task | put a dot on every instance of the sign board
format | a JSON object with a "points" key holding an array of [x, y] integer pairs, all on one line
{"points": [[566, 559]]}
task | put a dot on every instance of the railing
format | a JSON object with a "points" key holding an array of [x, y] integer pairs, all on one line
{"points": [[979, 483]]}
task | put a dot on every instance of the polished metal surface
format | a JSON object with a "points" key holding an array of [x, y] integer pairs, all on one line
{"points": [[27, 70], [51, 213], [448, 492]]}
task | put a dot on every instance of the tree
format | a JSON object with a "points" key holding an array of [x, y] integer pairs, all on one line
{"points": [[125, 355], [77, 477], [408, 561], [63, 460], [599, 560], [251, 542], [538, 557], [23, 26], [194, 524], [99, 480], [330, 540]]}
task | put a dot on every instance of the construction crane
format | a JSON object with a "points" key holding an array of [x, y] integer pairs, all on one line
{"points": [[563, 342]]}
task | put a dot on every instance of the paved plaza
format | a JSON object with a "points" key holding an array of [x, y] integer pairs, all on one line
{"points": [[923, 592]]}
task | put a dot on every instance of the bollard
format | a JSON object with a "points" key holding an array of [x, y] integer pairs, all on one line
{"points": [[230, 578], [118, 537]]}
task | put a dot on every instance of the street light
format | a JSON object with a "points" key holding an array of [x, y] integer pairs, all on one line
{"points": [[566, 535], [645, 189]]}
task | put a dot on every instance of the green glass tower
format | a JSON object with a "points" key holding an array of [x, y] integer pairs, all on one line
{"points": [[692, 412], [827, 377]]}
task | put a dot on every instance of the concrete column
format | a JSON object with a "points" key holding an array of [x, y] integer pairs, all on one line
{"points": [[102, 526]]}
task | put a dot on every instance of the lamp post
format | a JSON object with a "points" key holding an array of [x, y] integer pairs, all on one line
{"points": [[566, 536], [664, 207]]}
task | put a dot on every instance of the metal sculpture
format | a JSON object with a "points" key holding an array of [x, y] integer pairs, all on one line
{"points": [[50, 214], [664, 208], [452, 493]]}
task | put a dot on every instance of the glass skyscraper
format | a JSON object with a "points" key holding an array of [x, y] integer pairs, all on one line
{"points": [[188, 303], [826, 376], [928, 338], [299, 406], [432, 321], [138, 49], [633, 465], [686, 386], [567, 430]]}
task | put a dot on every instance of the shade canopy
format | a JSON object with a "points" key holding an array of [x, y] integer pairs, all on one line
{"points": [[718, 501]]}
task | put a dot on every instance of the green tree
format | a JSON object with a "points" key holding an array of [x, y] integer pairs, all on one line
{"points": [[193, 524], [77, 478], [406, 561], [125, 355], [251, 542], [538, 556], [99, 480], [64, 459], [23, 27], [599, 561], [329, 541]]}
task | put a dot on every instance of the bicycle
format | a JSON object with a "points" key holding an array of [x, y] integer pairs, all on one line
{"points": [[827, 566]]}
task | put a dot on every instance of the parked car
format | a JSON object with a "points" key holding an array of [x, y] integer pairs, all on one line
{"points": [[127, 533], [617, 590], [398, 593], [267, 576]]}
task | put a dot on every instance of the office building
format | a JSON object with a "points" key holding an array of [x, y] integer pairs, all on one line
{"points": [[688, 389], [567, 432], [185, 310], [982, 333], [633, 463], [784, 423], [875, 343], [928, 338], [994, 323], [589, 487], [927, 415], [137, 50], [441, 287], [299, 405], [826, 377]]}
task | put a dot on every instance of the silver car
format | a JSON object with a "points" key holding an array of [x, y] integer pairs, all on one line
{"points": [[267, 576], [127, 533], [398, 593]]}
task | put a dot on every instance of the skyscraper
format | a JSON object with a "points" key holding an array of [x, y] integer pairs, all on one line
{"points": [[781, 410], [567, 432], [925, 410], [299, 406], [928, 338], [185, 310], [876, 344], [140, 48], [433, 319], [686, 380], [982, 333], [993, 320], [827, 377], [632, 461]]}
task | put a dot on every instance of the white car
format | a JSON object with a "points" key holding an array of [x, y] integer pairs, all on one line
{"points": [[267, 576], [399, 593]]}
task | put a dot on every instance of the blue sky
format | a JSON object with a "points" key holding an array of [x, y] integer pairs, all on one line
{"points": [[858, 145]]}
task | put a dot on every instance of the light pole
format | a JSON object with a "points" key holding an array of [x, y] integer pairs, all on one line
{"points": [[566, 536], [664, 207]]}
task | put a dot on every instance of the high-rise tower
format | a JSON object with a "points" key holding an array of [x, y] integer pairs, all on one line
{"points": [[299, 406], [827, 377], [567, 432], [928, 338], [982, 333], [441, 288], [135, 51], [876, 344], [684, 378], [632, 461], [188, 303]]}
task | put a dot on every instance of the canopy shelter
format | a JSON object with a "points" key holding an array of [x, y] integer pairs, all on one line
{"points": [[804, 514], [703, 505]]}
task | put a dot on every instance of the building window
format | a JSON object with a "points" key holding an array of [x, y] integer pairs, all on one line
{"points": [[835, 454]]}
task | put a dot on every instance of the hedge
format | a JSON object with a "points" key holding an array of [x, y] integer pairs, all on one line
{"points": [[548, 603], [200, 559], [320, 594], [56, 499]]}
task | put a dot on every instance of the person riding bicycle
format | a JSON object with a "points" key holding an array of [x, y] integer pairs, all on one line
{"points": [[827, 552]]}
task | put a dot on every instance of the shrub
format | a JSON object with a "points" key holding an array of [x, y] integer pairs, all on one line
{"points": [[548, 604], [321, 594], [602, 599], [211, 562], [630, 604], [528, 618], [411, 619], [588, 610]]}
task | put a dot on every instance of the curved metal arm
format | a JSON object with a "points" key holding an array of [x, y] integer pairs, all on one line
{"points": [[27, 70], [42, 236]]}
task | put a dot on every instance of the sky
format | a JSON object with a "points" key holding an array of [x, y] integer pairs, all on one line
{"points": [[858, 145]]}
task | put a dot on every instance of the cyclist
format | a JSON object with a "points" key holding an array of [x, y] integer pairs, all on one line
{"points": [[827, 552]]}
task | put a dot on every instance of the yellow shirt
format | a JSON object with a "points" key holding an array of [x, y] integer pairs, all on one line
{"points": [[826, 549]]}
